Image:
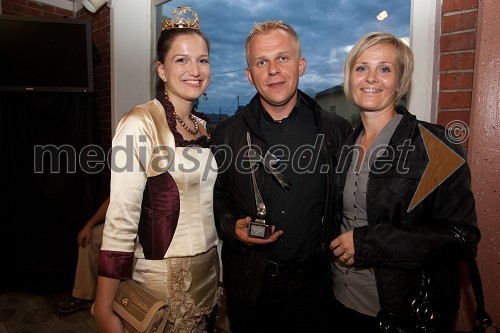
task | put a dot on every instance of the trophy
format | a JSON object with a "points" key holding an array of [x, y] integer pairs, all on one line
{"points": [[258, 228]]}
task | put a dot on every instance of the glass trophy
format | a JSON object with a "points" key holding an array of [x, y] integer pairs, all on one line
{"points": [[258, 227]]}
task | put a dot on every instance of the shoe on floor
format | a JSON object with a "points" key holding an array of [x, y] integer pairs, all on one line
{"points": [[74, 305]]}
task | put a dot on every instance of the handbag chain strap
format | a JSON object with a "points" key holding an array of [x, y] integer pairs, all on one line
{"points": [[422, 306]]}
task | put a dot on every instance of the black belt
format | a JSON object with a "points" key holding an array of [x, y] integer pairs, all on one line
{"points": [[274, 268]]}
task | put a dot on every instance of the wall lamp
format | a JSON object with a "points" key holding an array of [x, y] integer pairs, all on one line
{"points": [[94, 5]]}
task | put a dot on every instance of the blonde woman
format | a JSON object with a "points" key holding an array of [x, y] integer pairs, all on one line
{"points": [[394, 247]]}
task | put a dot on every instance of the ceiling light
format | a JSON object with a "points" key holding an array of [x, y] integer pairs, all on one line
{"points": [[382, 16], [94, 5]]}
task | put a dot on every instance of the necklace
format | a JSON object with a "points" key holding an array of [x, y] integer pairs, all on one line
{"points": [[183, 124]]}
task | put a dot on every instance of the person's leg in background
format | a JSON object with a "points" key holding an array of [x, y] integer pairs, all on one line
{"points": [[85, 284]]}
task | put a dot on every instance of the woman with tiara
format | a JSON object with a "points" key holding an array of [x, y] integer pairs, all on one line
{"points": [[159, 227]]}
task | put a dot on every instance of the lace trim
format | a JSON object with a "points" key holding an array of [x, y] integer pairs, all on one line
{"points": [[202, 141]]}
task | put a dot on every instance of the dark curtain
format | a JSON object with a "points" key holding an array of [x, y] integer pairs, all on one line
{"points": [[43, 212]]}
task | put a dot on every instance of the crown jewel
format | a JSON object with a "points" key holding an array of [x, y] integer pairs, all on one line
{"points": [[183, 17]]}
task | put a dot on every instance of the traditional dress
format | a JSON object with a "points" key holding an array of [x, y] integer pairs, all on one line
{"points": [[160, 219]]}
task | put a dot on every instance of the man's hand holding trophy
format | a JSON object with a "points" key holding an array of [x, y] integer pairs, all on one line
{"points": [[258, 228]]}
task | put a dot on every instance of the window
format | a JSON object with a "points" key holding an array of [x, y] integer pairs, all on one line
{"points": [[326, 31]]}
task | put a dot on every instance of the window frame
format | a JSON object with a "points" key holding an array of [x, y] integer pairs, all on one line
{"points": [[424, 40]]}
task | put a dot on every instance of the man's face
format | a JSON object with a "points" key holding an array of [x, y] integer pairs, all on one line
{"points": [[274, 69]]}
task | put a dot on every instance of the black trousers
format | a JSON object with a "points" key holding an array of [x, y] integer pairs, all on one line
{"points": [[291, 301], [348, 320]]}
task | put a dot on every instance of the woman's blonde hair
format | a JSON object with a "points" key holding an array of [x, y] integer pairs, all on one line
{"points": [[404, 56]]}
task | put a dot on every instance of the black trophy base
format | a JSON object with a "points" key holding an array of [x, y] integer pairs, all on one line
{"points": [[259, 229]]}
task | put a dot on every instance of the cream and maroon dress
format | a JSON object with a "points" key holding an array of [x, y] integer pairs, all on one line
{"points": [[160, 225]]}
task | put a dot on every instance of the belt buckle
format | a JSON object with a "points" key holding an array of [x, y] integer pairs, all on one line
{"points": [[276, 265]]}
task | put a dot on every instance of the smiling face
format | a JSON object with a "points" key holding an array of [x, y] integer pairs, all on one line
{"points": [[374, 78], [186, 68], [274, 68]]}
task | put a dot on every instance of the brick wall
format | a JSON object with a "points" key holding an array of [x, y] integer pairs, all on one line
{"points": [[102, 78], [101, 39], [32, 8], [457, 47], [457, 57]]}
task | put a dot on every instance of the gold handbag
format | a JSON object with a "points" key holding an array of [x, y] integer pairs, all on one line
{"points": [[139, 311]]}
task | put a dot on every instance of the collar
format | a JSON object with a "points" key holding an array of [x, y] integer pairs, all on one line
{"points": [[291, 116], [254, 110], [403, 131]]}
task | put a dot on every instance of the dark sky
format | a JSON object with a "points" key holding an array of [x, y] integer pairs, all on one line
{"points": [[326, 29]]}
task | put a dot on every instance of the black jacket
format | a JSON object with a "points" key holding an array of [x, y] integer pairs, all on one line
{"points": [[234, 198], [434, 236]]}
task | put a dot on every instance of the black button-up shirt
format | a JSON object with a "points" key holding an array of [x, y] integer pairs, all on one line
{"points": [[297, 210]]}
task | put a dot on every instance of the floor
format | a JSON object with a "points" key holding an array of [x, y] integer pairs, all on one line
{"points": [[27, 313]]}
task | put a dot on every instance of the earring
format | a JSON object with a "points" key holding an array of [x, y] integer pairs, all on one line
{"points": [[205, 96], [165, 87]]}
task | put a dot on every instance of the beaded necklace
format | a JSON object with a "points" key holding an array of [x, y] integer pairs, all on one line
{"points": [[183, 124], [202, 141]]}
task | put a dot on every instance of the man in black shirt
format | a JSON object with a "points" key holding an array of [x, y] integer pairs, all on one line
{"points": [[279, 283]]}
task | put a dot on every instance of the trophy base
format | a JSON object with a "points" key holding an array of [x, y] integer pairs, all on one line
{"points": [[259, 229]]}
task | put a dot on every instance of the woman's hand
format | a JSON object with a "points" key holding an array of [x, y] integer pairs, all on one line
{"points": [[241, 231], [343, 248], [107, 321]]}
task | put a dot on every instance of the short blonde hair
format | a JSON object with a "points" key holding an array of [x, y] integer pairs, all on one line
{"points": [[266, 27], [404, 56]]}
